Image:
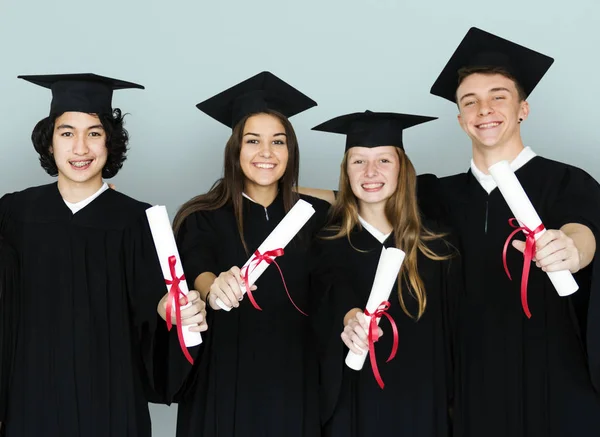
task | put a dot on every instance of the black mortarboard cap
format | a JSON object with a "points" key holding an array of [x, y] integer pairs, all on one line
{"points": [[482, 49], [254, 95], [83, 92], [372, 129]]}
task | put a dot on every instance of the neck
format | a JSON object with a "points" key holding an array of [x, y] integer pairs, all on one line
{"points": [[374, 214], [484, 157], [262, 195], [74, 192]]}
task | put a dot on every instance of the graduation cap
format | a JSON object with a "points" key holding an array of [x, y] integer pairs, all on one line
{"points": [[83, 92], [482, 49], [372, 129], [255, 95]]}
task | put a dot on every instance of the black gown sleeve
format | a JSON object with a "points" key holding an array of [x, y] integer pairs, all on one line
{"points": [[162, 362], [453, 294], [9, 301], [5, 213], [331, 297], [578, 201], [196, 241]]}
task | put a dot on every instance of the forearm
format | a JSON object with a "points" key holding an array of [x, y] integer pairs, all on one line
{"points": [[203, 282], [326, 195], [584, 240]]}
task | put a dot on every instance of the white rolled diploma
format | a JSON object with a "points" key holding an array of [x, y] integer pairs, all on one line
{"points": [[525, 213], [283, 233], [164, 242], [386, 275]]}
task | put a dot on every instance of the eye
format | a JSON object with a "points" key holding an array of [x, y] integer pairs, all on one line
{"points": [[357, 161], [95, 134], [279, 143], [469, 103], [499, 97], [251, 141], [66, 134], [385, 160]]}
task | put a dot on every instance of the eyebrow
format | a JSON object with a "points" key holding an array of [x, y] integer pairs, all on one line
{"points": [[258, 135], [466, 95], [68, 126], [493, 90]]}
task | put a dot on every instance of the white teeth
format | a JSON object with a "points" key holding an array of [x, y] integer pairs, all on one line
{"points": [[80, 163], [486, 125], [370, 186], [267, 166]]}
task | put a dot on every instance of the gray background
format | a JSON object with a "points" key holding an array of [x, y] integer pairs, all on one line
{"points": [[348, 55]]}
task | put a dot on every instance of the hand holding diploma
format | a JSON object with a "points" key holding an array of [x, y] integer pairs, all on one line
{"points": [[227, 289], [388, 268], [170, 263], [265, 255], [194, 314], [532, 226]]}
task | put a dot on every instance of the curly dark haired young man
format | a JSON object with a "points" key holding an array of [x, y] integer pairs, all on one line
{"points": [[90, 348]]}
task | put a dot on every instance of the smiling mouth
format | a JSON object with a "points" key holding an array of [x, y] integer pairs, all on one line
{"points": [[374, 186], [489, 125], [81, 165], [264, 165]]}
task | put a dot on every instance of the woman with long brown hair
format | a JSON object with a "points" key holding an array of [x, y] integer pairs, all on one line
{"points": [[377, 207], [258, 372]]}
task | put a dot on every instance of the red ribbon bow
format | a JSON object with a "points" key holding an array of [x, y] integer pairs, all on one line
{"points": [[175, 293], [528, 255], [373, 337], [268, 257]]}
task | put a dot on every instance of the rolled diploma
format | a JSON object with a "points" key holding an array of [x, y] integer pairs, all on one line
{"points": [[525, 213], [386, 275], [283, 233], [165, 245]]}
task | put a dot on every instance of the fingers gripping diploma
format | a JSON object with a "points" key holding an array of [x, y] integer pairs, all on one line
{"points": [[193, 312], [355, 332], [555, 251], [227, 288]]}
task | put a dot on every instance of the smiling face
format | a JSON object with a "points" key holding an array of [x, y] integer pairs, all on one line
{"points": [[79, 148], [373, 173], [264, 152], [490, 109]]}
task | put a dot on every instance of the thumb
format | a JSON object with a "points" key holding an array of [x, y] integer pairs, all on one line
{"points": [[519, 245]]}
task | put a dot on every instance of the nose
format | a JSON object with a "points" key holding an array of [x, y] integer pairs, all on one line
{"points": [[371, 169], [265, 150], [485, 108], [80, 147]]}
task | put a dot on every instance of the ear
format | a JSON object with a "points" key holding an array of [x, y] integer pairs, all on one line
{"points": [[461, 122], [523, 110], [51, 150]]}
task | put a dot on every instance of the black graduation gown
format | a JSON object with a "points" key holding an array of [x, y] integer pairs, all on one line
{"points": [[90, 348], [8, 292], [524, 377], [418, 382], [257, 376]]}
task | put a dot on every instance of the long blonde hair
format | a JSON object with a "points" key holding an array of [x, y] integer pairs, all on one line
{"points": [[403, 213]]}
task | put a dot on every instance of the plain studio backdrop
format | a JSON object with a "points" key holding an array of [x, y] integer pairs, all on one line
{"points": [[348, 55]]}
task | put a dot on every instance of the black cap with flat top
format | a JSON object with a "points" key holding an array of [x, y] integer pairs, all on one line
{"points": [[483, 49], [372, 129], [81, 92], [254, 95]]}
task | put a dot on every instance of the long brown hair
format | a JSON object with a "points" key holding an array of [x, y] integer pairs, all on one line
{"points": [[403, 213], [229, 189]]}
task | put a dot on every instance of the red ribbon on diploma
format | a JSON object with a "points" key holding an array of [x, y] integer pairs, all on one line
{"points": [[175, 293], [268, 257], [528, 255], [373, 337]]}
